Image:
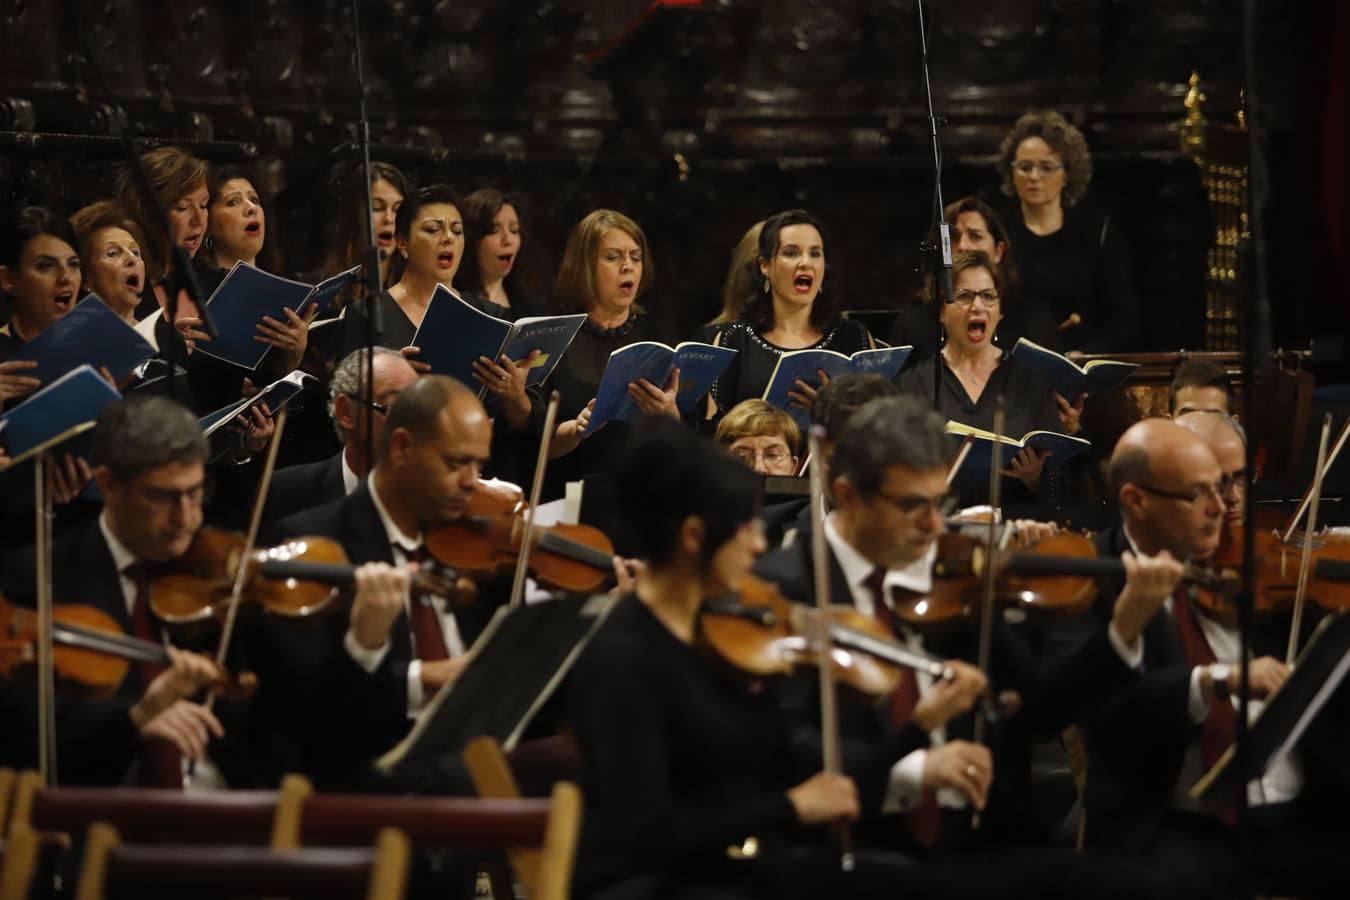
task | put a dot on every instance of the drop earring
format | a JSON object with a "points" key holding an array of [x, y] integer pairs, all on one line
{"points": [[766, 285]]}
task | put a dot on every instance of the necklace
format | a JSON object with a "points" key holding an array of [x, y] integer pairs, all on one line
{"points": [[971, 371]]}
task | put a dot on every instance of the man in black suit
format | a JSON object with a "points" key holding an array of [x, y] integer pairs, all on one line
{"points": [[382, 653], [298, 488], [888, 482], [1151, 740], [149, 457]]}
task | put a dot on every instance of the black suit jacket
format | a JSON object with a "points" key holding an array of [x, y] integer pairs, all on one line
{"points": [[96, 741], [347, 716], [1052, 691], [303, 487]]}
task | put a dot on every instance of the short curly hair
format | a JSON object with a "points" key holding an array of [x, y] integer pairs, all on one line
{"points": [[1063, 138]]}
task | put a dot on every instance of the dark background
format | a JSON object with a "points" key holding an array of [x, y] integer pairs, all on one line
{"points": [[769, 105]]}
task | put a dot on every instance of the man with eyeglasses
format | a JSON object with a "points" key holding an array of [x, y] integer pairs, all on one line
{"points": [[888, 476], [149, 456], [298, 488], [1228, 442], [1152, 739]]}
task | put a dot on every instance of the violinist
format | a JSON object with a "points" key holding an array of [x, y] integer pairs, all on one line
{"points": [[888, 474], [308, 485], [1150, 740], [1201, 386], [1227, 440], [383, 654], [683, 759], [149, 457]]}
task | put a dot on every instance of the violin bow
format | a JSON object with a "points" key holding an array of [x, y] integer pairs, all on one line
{"points": [[829, 713], [1305, 556], [536, 490], [241, 564], [1288, 534], [42, 524], [987, 586]]}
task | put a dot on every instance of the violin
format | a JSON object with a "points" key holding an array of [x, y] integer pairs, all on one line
{"points": [[486, 542], [1055, 577], [196, 587], [1275, 575], [91, 650]]}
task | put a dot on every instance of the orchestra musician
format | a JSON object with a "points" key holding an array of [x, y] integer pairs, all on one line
{"points": [[1150, 740], [888, 485], [149, 457], [382, 653], [1201, 386], [681, 759], [305, 486]]}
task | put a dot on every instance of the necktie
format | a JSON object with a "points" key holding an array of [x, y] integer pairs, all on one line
{"points": [[428, 639], [160, 764], [924, 822], [142, 622], [1221, 723]]}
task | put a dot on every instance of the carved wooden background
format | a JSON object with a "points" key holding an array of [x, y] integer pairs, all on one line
{"points": [[697, 123]]}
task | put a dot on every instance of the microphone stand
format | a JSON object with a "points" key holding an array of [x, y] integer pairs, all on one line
{"points": [[940, 253], [370, 262], [1255, 363], [181, 275]]}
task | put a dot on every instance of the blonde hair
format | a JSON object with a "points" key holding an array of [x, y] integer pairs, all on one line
{"points": [[743, 278], [574, 290], [758, 418]]}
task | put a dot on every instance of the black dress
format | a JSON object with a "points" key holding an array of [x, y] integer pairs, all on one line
{"points": [[1083, 268], [681, 762], [398, 329], [1029, 403], [749, 373], [576, 379]]}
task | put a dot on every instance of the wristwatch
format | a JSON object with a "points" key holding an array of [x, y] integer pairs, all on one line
{"points": [[1218, 677]]}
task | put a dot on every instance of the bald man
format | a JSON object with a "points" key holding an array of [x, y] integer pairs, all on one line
{"points": [[1228, 443], [306, 486], [385, 655], [1150, 741]]}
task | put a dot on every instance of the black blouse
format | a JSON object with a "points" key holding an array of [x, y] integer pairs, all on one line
{"points": [[1029, 404], [576, 379], [748, 375], [398, 329], [1083, 268]]}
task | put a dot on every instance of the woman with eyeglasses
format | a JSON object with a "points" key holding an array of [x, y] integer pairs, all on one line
{"points": [[1072, 258], [975, 370]]}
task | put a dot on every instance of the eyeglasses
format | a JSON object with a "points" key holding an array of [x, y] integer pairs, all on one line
{"points": [[914, 505], [378, 407], [168, 498], [1233, 480], [1214, 491], [773, 456], [966, 297], [1045, 167]]}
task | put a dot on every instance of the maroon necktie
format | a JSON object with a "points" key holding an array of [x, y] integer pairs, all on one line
{"points": [[924, 822], [428, 639], [1221, 723], [160, 764]]}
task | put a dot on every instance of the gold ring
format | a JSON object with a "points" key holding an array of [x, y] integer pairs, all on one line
{"points": [[972, 771]]}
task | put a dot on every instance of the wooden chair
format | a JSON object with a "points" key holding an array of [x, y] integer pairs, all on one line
{"points": [[549, 828], [7, 779], [19, 864], [112, 869], [148, 815]]}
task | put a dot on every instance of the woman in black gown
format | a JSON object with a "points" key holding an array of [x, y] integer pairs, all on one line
{"points": [[791, 313]]}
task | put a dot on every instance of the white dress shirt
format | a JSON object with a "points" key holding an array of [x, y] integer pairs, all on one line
{"points": [[1283, 780], [369, 660]]}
